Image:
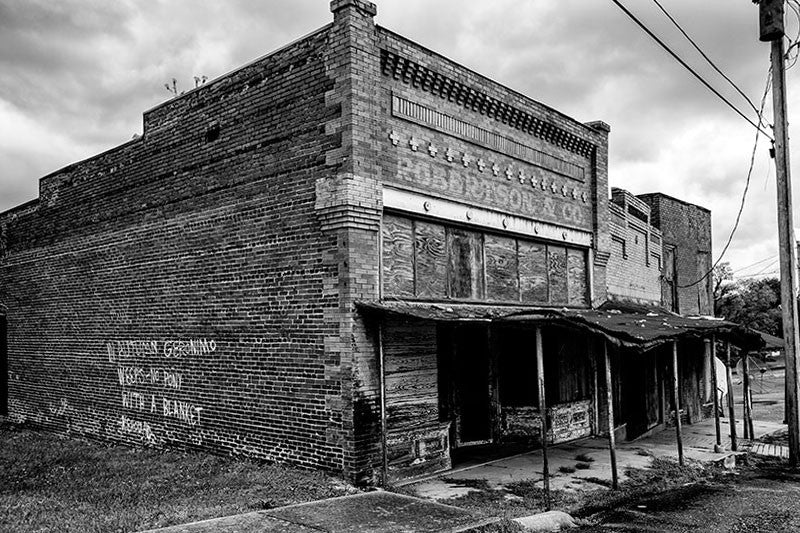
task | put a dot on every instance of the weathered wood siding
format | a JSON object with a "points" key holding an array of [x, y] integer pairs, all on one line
{"points": [[417, 443], [447, 262]]}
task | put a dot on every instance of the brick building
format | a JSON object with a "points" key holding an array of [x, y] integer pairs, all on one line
{"points": [[686, 229], [635, 264], [342, 255]]}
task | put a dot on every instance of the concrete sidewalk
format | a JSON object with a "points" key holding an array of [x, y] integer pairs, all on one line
{"points": [[361, 513], [585, 464]]}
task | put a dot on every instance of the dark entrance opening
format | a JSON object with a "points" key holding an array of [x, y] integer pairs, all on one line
{"points": [[471, 384], [3, 366], [643, 391]]}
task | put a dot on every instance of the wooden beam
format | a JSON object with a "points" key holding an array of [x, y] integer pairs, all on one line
{"points": [[748, 398], [590, 345], [676, 401], [542, 413], [729, 379], [612, 446], [713, 345], [382, 371]]}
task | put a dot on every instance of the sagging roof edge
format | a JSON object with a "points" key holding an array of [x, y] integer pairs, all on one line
{"points": [[743, 337]]}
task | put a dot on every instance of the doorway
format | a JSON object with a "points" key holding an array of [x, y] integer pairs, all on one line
{"points": [[472, 385], [464, 383], [643, 406]]}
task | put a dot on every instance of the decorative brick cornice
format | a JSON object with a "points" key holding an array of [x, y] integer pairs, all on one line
{"points": [[412, 73]]}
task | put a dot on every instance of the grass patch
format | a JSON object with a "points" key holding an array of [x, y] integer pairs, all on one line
{"points": [[525, 497], [583, 466], [566, 469], [663, 475], [584, 458], [54, 483]]}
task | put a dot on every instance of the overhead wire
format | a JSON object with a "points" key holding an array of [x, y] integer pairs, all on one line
{"points": [[705, 56], [762, 275], [772, 264], [744, 192], [689, 68], [794, 44], [758, 262]]}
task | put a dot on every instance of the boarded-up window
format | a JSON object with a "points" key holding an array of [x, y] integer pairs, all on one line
{"points": [[431, 259], [533, 272], [398, 256], [576, 277], [669, 288], [502, 275], [557, 274], [465, 264]]}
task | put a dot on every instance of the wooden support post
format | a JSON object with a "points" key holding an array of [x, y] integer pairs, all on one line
{"points": [[745, 425], [718, 444], [542, 413], [382, 371], [595, 384], [748, 398], [729, 379], [494, 386], [676, 400], [612, 446]]}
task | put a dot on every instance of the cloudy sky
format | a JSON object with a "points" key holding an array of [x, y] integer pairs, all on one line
{"points": [[76, 75]]}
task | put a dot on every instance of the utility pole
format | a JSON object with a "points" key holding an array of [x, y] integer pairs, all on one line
{"points": [[771, 14]]}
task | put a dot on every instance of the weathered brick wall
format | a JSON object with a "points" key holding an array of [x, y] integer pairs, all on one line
{"points": [[448, 132], [178, 289], [197, 286], [686, 227], [634, 268]]}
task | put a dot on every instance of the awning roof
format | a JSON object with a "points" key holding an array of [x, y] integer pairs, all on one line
{"points": [[772, 342], [639, 329]]}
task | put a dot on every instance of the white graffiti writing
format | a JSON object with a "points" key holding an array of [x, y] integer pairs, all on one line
{"points": [[137, 427], [134, 375], [190, 347], [183, 411], [133, 400], [129, 349]]}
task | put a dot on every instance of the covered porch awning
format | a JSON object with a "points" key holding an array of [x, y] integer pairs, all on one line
{"points": [[633, 327]]}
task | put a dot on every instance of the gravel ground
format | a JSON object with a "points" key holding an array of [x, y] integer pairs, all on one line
{"points": [[762, 497]]}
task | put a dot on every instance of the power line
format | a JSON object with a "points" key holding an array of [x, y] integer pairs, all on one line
{"points": [[758, 262], [761, 272], [710, 62], [687, 67], [762, 275], [744, 193], [767, 267]]}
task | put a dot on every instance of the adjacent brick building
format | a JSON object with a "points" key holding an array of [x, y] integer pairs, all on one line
{"points": [[686, 229], [635, 265], [199, 286]]}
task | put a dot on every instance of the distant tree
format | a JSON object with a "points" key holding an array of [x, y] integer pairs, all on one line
{"points": [[722, 276], [753, 303]]}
